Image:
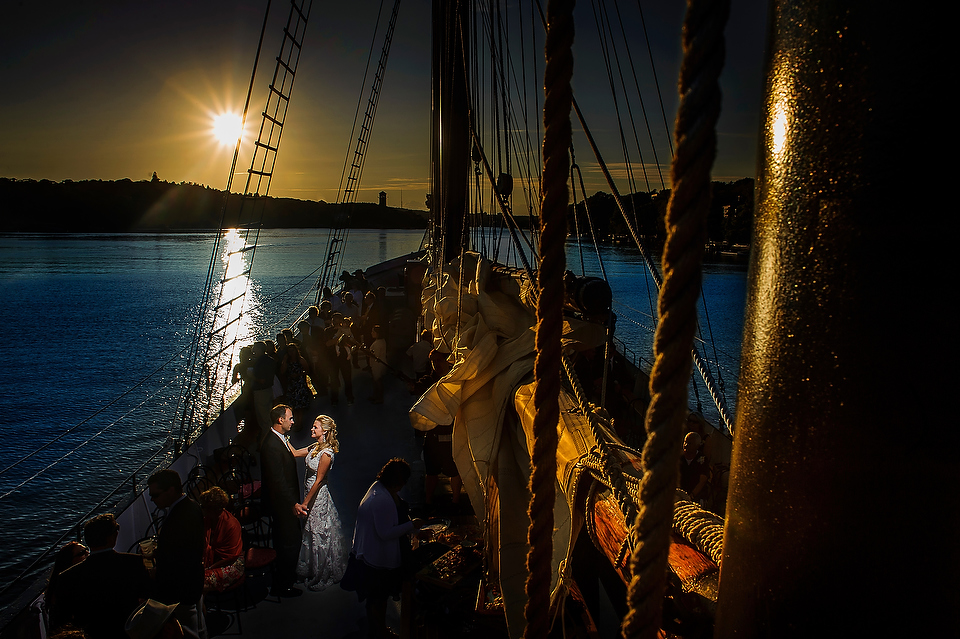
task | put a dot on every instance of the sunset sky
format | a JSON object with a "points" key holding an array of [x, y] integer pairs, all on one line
{"points": [[113, 89]]}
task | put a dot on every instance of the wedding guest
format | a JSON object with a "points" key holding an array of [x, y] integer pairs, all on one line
{"points": [[223, 556], [371, 317], [294, 372], [328, 297], [350, 307], [313, 317], [179, 556], [342, 345], [264, 370], [382, 519], [98, 594], [69, 555], [419, 354], [378, 363]]}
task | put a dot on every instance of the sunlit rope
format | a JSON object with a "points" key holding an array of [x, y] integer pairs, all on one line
{"points": [[695, 130], [553, 230]]}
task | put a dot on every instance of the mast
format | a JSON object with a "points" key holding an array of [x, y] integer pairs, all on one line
{"points": [[842, 511], [450, 146]]}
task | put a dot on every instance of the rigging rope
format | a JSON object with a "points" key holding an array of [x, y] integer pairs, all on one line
{"points": [[211, 269], [81, 520], [553, 232], [97, 412], [78, 447], [695, 133]]}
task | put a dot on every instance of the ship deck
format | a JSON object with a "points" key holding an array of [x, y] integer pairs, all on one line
{"points": [[369, 434]]}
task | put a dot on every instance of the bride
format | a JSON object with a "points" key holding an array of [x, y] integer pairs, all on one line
{"points": [[323, 555]]}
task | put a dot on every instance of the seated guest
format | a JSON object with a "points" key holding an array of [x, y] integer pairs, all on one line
{"points": [[179, 555], [98, 594], [419, 354], [223, 558], [70, 554]]}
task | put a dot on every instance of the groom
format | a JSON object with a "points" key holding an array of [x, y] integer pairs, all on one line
{"points": [[281, 493]]}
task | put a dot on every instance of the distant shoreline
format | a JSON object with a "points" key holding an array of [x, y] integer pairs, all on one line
{"points": [[155, 206]]}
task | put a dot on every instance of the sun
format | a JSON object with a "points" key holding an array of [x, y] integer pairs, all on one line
{"points": [[227, 128]]}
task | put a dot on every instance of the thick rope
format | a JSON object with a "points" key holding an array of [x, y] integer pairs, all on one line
{"points": [[695, 135], [700, 527], [553, 235]]}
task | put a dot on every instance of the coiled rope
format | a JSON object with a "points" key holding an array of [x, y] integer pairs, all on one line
{"points": [[553, 233], [700, 527], [695, 135]]}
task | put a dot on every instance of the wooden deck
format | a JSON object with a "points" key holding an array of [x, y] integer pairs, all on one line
{"points": [[369, 434]]}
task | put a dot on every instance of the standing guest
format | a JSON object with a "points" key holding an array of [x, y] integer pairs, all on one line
{"points": [[326, 312], [694, 469], [419, 354], [382, 519], [327, 297], [264, 370], [179, 556], [281, 499], [281, 353], [243, 373], [313, 317], [360, 284], [312, 351], [323, 554], [223, 557], [98, 594], [378, 363], [303, 332], [340, 340], [294, 371], [350, 307], [371, 317]]}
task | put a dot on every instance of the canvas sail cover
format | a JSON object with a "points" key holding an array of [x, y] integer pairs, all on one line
{"points": [[487, 319]]}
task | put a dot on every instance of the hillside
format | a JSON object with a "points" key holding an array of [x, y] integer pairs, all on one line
{"points": [[122, 206]]}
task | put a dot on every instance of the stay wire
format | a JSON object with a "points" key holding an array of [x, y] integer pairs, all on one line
{"points": [[45, 553], [653, 68], [623, 87], [211, 269], [607, 46], [643, 108], [79, 446], [97, 412]]}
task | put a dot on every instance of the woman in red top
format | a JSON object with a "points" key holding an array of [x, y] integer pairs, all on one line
{"points": [[223, 558]]}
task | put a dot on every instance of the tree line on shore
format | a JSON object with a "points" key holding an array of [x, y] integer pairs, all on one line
{"points": [[728, 222], [103, 206], [121, 206]]}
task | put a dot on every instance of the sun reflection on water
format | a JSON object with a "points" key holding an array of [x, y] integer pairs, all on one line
{"points": [[234, 318]]}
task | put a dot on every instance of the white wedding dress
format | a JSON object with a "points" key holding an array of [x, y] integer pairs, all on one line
{"points": [[323, 555]]}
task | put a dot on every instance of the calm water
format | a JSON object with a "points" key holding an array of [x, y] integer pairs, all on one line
{"points": [[88, 317]]}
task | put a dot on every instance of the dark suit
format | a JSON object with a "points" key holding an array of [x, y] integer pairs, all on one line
{"points": [[180, 545], [281, 491], [99, 593]]}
